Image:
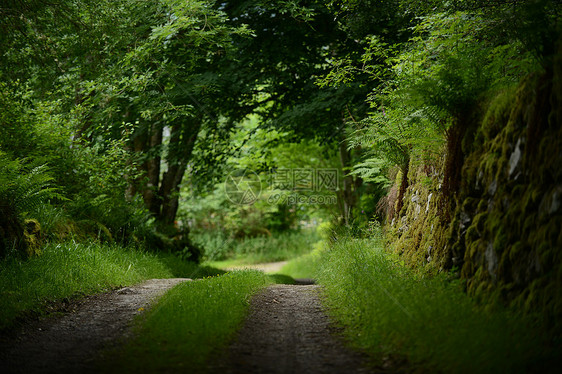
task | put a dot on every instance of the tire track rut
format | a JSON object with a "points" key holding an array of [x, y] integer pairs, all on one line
{"points": [[287, 331]]}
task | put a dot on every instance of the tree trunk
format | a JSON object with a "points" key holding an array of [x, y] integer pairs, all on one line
{"points": [[169, 190], [139, 146], [152, 167], [182, 141], [350, 185], [403, 186]]}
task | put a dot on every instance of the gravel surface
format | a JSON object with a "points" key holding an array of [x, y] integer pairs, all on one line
{"points": [[288, 332], [70, 343]]}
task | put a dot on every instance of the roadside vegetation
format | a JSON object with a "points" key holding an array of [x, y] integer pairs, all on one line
{"points": [[400, 316], [71, 270]]}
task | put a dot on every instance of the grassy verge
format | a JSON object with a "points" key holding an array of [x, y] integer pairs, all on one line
{"points": [[72, 269], [389, 310], [191, 323], [305, 266], [278, 247]]}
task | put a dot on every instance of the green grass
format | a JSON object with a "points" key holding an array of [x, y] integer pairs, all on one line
{"points": [[189, 325], [305, 266], [387, 309], [278, 247], [69, 270]]}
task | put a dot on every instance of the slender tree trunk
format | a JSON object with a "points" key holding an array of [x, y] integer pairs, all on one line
{"points": [[403, 186], [182, 141], [138, 146], [150, 194], [350, 185], [169, 190]]}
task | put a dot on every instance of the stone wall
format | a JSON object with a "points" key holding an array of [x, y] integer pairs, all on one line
{"points": [[504, 230]]}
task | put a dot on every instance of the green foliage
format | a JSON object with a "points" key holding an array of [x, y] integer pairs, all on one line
{"points": [[390, 311], [22, 191], [139, 74], [216, 244], [94, 179], [535, 24], [205, 315], [388, 19], [98, 184], [307, 265], [70, 270], [258, 152], [429, 83], [451, 61], [16, 131]]}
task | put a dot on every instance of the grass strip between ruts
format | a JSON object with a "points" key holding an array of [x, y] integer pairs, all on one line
{"points": [[188, 325]]}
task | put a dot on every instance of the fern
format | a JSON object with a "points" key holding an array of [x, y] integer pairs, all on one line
{"points": [[372, 170], [22, 191]]}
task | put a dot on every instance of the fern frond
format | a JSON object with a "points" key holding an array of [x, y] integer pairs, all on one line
{"points": [[372, 170], [22, 190]]}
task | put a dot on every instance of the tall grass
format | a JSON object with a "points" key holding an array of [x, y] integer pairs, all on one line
{"points": [[191, 323], [278, 247], [71, 269], [307, 265], [389, 310]]}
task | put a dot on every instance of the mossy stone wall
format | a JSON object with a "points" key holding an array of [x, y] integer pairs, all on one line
{"points": [[505, 232]]}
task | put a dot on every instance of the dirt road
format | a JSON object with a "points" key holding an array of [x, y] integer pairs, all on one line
{"points": [[288, 332], [70, 343], [268, 267]]}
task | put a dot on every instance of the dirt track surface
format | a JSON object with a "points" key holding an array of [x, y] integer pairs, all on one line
{"points": [[70, 343], [268, 267], [288, 332]]}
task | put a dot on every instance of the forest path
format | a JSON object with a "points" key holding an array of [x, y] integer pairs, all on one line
{"points": [[287, 331], [267, 267], [70, 343]]}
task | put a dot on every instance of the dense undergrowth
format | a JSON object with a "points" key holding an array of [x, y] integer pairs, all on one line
{"points": [[205, 313], [395, 313], [69, 270]]}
